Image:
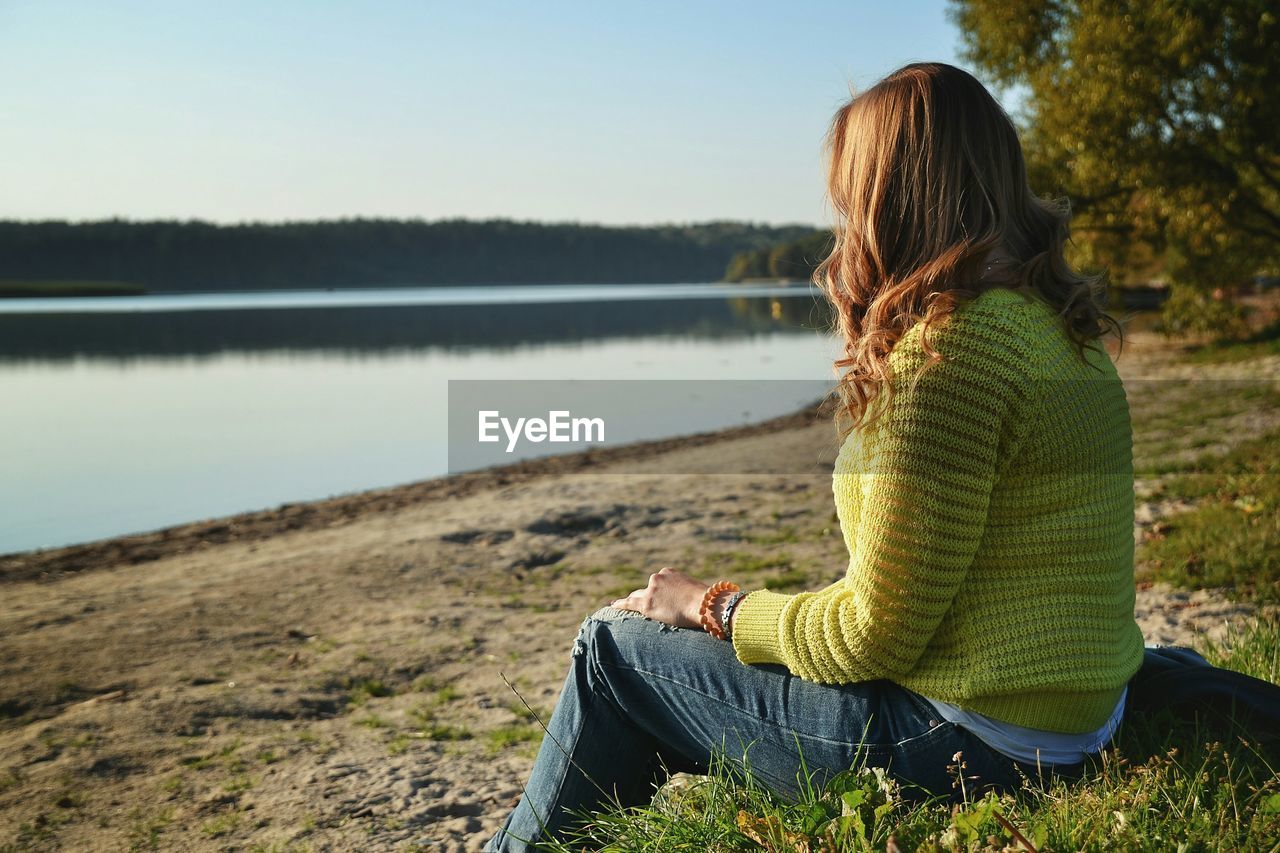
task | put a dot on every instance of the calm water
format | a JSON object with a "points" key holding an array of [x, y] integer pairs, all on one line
{"points": [[393, 296], [129, 414]]}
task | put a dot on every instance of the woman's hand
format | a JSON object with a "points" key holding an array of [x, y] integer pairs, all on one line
{"points": [[671, 597]]}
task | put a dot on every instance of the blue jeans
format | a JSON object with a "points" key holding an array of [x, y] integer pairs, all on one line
{"points": [[643, 699]]}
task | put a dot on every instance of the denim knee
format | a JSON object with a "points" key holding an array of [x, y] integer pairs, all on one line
{"points": [[593, 623]]}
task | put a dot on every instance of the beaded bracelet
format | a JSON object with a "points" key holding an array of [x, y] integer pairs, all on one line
{"points": [[705, 616], [727, 616]]}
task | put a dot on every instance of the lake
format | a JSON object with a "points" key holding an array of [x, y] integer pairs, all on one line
{"points": [[126, 414]]}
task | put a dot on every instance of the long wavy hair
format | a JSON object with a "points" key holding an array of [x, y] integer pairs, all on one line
{"points": [[926, 177]]}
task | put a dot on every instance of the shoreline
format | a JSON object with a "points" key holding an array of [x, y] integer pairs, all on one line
{"points": [[57, 561]]}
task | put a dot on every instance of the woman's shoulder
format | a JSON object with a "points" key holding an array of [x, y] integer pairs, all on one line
{"points": [[1000, 324], [1007, 308]]}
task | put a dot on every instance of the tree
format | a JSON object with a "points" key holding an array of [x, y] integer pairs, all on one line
{"points": [[753, 263], [795, 260], [1155, 119], [787, 261]]}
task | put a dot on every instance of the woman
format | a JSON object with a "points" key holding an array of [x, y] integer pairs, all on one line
{"points": [[984, 489]]}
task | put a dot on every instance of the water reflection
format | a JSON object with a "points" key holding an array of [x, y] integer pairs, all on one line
{"points": [[385, 329]]}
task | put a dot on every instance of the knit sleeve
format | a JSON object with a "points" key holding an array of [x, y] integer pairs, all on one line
{"points": [[925, 477]]}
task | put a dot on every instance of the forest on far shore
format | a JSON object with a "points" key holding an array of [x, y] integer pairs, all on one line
{"points": [[173, 256]]}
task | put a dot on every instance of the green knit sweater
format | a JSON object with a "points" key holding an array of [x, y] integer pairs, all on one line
{"points": [[989, 520]]}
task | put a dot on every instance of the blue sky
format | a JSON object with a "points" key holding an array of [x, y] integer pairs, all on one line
{"points": [[614, 112]]}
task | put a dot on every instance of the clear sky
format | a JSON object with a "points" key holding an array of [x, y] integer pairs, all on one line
{"points": [[614, 111]]}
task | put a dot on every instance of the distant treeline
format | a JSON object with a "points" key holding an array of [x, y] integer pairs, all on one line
{"points": [[189, 256], [70, 288], [791, 258]]}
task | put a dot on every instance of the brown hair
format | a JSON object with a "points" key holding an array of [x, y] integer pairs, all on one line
{"points": [[926, 177]]}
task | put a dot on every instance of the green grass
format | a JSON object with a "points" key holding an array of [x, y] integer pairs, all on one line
{"points": [[1172, 420], [1231, 538], [446, 732], [1164, 786], [224, 755], [424, 718], [622, 590], [513, 734], [1253, 650], [69, 288], [425, 684], [223, 824], [1265, 341], [783, 535], [146, 827], [238, 784], [792, 580], [739, 563], [71, 799], [526, 713], [364, 689]]}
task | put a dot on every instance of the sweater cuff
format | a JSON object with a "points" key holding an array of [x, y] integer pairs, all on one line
{"points": [[756, 638]]}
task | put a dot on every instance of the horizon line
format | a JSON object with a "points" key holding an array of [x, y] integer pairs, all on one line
{"points": [[403, 220]]}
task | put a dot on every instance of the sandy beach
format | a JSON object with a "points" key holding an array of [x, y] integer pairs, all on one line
{"points": [[334, 676]]}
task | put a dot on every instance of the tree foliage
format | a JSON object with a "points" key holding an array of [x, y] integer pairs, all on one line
{"points": [[1156, 120], [793, 259], [187, 256]]}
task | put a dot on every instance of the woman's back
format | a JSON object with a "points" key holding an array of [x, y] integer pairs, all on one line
{"points": [[989, 519]]}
